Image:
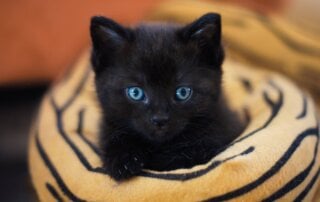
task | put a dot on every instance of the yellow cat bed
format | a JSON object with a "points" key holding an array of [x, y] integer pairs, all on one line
{"points": [[276, 157]]}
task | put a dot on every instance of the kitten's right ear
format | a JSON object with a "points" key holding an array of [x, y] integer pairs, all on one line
{"points": [[108, 37], [207, 27], [205, 33]]}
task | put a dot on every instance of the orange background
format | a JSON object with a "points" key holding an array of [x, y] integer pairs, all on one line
{"points": [[40, 38]]}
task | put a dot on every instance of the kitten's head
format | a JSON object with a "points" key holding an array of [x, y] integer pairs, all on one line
{"points": [[157, 80]]}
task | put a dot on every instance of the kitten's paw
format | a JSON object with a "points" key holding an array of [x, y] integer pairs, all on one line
{"points": [[125, 167]]}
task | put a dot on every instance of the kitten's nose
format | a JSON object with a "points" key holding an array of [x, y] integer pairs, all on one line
{"points": [[160, 119]]}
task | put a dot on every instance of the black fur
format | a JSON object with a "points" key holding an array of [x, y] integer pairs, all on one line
{"points": [[160, 58]]}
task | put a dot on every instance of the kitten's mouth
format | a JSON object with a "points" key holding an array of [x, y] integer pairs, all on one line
{"points": [[162, 134]]}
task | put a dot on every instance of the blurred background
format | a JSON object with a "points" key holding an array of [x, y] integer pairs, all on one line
{"points": [[42, 39]]}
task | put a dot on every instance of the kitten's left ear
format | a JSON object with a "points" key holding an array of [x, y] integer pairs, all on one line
{"points": [[206, 33], [108, 38]]}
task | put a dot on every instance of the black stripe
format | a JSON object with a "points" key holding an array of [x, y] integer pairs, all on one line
{"points": [[303, 113], [305, 192], [75, 149], [54, 172], [273, 170], [77, 91], [246, 84], [297, 180], [195, 174], [275, 108], [53, 192], [81, 135], [67, 74], [59, 114]]}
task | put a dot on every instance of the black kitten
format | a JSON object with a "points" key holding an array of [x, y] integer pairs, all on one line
{"points": [[160, 90]]}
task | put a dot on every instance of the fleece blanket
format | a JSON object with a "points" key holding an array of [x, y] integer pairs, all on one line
{"points": [[267, 41], [275, 158]]}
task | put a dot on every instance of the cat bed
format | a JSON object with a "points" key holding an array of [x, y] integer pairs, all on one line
{"points": [[276, 157]]}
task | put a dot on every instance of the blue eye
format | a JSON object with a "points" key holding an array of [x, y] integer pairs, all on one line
{"points": [[183, 93], [135, 93]]}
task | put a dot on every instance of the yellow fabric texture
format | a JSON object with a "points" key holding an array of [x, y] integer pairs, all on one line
{"points": [[258, 40], [275, 158]]}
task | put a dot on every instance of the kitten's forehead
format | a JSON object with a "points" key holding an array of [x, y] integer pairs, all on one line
{"points": [[156, 42], [157, 57], [148, 34], [154, 53]]}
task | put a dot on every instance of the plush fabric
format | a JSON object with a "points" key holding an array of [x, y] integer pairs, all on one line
{"points": [[267, 41], [275, 158]]}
